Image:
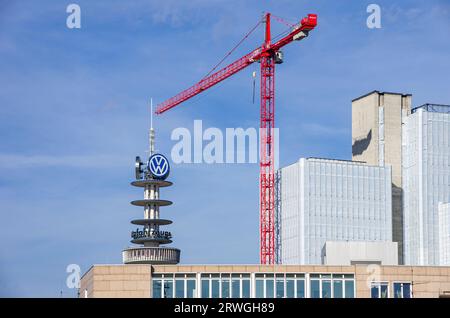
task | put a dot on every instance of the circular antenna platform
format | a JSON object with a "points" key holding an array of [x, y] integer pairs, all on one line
{"points": [[143, 240], [144, 183], [151, 221], [151, 255], [150, 202]]}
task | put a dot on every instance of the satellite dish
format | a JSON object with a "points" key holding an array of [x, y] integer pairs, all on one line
{"points": [[138, 168]]}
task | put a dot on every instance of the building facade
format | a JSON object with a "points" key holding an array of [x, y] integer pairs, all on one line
{"points": [[377, 119], [444, 234], [360, 252], [322, 200], [426, 181], [264, 281]]}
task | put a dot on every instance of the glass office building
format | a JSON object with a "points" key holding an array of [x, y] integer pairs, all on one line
{"points": [[444, 234], [426, 181], [322, 200]]}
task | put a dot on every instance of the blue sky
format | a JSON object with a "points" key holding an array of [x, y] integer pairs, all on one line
{"points": [[74, 113]]}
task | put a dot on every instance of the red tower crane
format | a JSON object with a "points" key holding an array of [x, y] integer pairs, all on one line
{"points": [[268, 55]]}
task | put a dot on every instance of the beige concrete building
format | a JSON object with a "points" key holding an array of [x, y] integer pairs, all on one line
{"points": [[377, 119], [265, 281]]}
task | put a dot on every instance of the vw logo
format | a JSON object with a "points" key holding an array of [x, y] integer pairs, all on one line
{"points": [[158, 165]]}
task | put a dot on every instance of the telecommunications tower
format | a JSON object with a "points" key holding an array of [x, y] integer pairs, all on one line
{"points": [[151, 177]]}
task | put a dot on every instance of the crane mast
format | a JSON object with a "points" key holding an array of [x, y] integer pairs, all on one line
{"points": [[268, 55], [266, 158]]}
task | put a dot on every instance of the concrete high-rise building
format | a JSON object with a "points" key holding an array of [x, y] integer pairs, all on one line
{"points": [[377, 140], [426, 180], [444, 234], [331, 200]]}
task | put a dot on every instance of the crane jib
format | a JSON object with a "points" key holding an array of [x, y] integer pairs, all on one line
{"points": [[306, 24]]}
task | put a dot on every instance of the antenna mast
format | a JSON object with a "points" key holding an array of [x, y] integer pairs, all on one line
{"points": [[152, 131]]}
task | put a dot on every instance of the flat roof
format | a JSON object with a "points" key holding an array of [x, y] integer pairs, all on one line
{"points": [[379, 92], [261, 266], [433, 108], [343, 161], [333, 159]]}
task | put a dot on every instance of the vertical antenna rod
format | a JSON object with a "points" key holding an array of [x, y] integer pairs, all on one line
{"points": [[152, 131]]}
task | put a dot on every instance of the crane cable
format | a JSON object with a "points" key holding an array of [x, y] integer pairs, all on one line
{"points": [[233, 49], [279, 19], [284, 21]]}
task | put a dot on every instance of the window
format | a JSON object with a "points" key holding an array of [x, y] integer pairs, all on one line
{"points": [[163, 287], [225, 285], [235, 288], [168, 289], [246, 288], [402, 290], [315, 288], [300, 288], [343, 286], [332, 286], [379, 290], [337, 289], [269, 288], [157, 284], [170, 286], [290, 287], [205, 288], [267, 285], [225, 288], [179, 288], [215, 287], [259, 288], [190, 288], [280, 286], [349, 289], [326, 288]]}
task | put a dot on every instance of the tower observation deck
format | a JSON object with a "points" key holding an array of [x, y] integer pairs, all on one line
{"points": [[151, 177]]}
